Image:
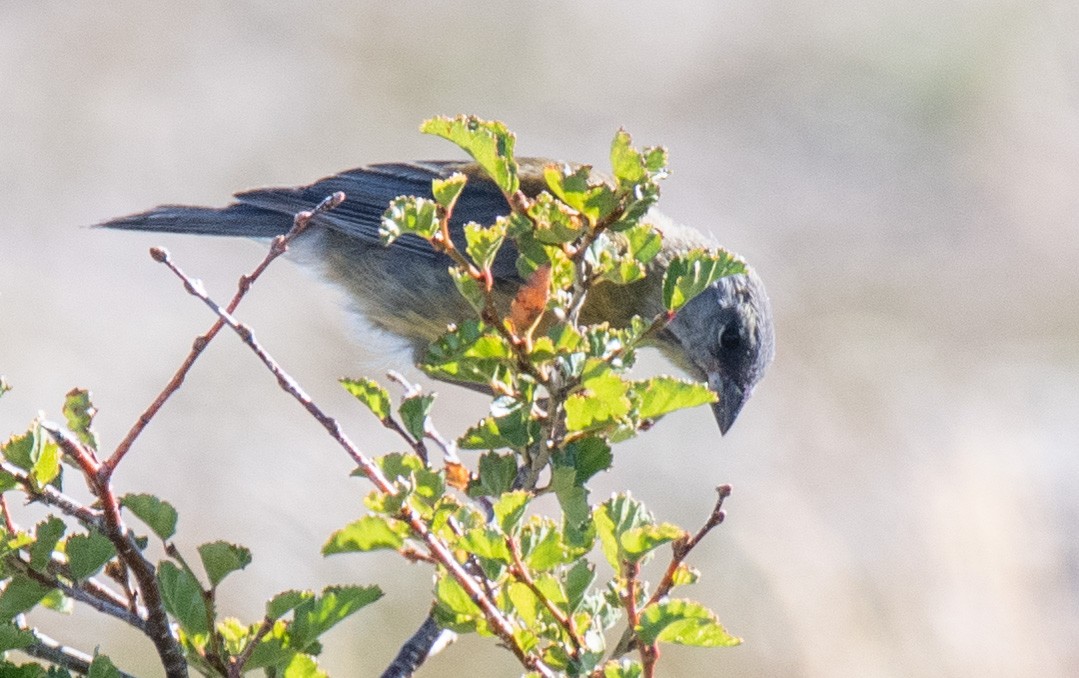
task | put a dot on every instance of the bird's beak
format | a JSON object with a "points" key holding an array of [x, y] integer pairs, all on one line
{"points": [[731, 399]]}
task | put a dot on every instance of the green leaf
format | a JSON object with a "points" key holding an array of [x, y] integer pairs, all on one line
{"points": [[489, 143], [572, 496], [398, 465], [626, 162], [19, 449], [371, 394], [509, 509], [601, 400], [513, 428], [470, 288], [683, 622], [613, 518], [685, 575], [575, 187], [623, 668], [586, 456], [13, 638], [159, 515], [555, 222], [56, 601], [319, 614], [7, 481], [497, 473], [46, 534], [20, 595], [4, 386], [471, 353], [690, 274], [414, 411], [658, 396], [285, 602], [578, 580], [79, 412], [640, 541], [183, 598], [47, 466], [410, 215], [446, 191], [220, 558], [88, 553], [303, 666], [485, 542], [370, 533], [454, 609], [482, 244], [525, 603], [102, 667]]}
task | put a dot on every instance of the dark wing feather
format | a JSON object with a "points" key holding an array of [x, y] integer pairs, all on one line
{"points": [[267, 212]]}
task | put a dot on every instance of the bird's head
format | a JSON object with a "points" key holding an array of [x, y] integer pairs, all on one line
{"points": [[725, 336]]}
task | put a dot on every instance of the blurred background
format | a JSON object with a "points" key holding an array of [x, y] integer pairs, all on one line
{"points": [[903, 175]]}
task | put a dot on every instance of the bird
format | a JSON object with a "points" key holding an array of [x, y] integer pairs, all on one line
{"points": [[724, 336]]}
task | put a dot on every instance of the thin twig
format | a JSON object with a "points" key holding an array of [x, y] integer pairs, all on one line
{"points": [[69, 658], [277, 248]]}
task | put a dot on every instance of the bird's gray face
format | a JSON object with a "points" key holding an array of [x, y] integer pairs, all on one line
{"points": [[726, 335]]}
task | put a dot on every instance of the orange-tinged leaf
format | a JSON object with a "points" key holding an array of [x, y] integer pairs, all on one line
{"points": [[531, 301], [457, 475]]}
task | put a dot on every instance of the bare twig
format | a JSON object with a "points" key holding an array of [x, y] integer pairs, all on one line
{"points": [[69, 658], [277, 248]]}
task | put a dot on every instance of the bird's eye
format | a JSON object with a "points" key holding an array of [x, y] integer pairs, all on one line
{"points": [[730, 337]]}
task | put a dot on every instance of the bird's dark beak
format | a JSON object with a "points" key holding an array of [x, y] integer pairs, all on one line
{"points": [[731, 399]]}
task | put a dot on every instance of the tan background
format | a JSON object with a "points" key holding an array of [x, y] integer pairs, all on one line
{"points": [[903, 175]]}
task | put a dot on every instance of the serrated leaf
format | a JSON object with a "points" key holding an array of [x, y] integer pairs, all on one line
{"points": [[600, 401], [497, 473], [575, 187], [316, 616], [662, 395], [20, 595], [285, 602], [409, 214], [586, 456], [220, 558], [489, 143], [470, 288], [626, 162], [370, 533], [684, 575], [303, 666], [14, 638], [19, 449], [483, 243], [640, 541], [79, 411], [683, 622], [509, 508], [414, 411], [485, 542], [446, 191], [371, 394], [524, 602], [88, 553], [613, 518], [46, 459], [454, 608], [159, 515], [46, 534], [555, 222], [690, 274], [183, 598], [472, 353], [579, 578]]}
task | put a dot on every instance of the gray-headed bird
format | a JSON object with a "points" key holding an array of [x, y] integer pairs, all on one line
{"points": [[723, 336]]}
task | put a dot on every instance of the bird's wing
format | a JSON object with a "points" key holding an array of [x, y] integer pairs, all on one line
{"points": [[370, 189]]}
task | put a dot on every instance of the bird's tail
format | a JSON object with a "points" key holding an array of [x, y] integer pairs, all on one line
{"points": [[237, 219]]}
